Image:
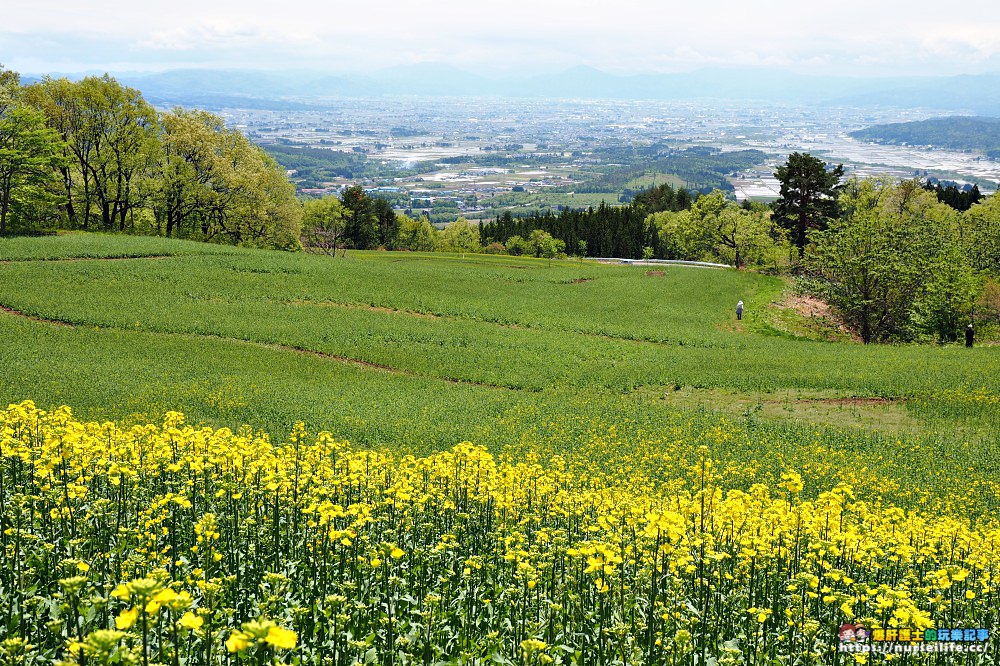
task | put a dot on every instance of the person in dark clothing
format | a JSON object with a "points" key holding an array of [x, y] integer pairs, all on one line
{"points": [[739, 310], [969, 335]]}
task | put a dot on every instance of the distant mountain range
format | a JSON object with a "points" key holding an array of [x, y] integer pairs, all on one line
{"points": [[956, 133], [971, 94]]}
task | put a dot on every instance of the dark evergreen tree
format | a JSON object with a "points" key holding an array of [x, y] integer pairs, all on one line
{"points": [[607, 231], [388, 224], [959, 199], [808, 196], [662, 197], [361, 226]]}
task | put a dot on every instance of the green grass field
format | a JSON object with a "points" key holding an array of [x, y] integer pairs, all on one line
{"points": [[417, 352], [525, 463], [652, 180]]}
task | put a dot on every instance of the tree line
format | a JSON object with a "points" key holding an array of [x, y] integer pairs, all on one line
{"points": [[952, 132], [899, 261], [606, 231], [701, 168], [94, 155], [662, 222]]}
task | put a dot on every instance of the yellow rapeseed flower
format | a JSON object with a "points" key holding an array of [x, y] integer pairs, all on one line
{"points": [[237, 642], [281, 638], [191, 621], [127, 618], [122, 592]]}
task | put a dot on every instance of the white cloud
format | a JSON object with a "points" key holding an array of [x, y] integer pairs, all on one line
{"points": [[851, 37], [222, 34]]}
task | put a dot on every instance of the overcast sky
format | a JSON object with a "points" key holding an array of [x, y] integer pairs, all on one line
{"points": [[848, 37]]}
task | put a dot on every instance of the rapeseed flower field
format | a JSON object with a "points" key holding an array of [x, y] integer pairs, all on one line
{"points": [[168, 543]]}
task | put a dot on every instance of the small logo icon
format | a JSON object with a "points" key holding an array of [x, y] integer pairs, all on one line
{"points": [[851, 633]]}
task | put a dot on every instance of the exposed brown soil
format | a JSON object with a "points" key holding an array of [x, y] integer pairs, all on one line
{"points": [[343, 359], [369, 308], [655, 273], [23, 315], [581, 280], [807, 306], [150, 256], [853, 401], [818, 311]]}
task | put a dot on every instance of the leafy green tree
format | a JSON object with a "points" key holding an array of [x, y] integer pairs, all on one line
{"points": [[516, 246], [28, 151], [542, 244], [872, 264], [718, 230], [679, 234], [461, 236], [125, 127], [274, 217], [191, 145], [112, 135], [214, 184], [808, 196], [9, 81], [59, 101], [980, 235], [323, 224], [388, 223], [740, 236], [950, 293], [417, 235]]}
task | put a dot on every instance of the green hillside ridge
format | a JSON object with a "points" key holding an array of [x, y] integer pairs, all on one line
{"points": [[953, 132]]}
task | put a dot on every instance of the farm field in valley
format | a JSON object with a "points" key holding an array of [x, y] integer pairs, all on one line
{"points": [[526, 461]]}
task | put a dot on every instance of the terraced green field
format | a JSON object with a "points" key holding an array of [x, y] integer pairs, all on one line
{"points": [[417, 352]]}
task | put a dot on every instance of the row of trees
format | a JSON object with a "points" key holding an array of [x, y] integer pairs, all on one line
{"points": [[606, 231], [959, 199], [898, 261], [94, 155], [898, 264], [359, 221], [356, 220], [661, 223]]}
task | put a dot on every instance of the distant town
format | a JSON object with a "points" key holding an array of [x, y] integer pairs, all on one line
{"points": [[451, 157]]}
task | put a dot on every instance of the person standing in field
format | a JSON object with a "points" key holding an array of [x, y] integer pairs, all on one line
{"points": [[739, 309], [970, 334]]}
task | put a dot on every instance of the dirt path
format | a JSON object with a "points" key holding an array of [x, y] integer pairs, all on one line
{"points": [[347, 360], [68, 259], [40, 320]]}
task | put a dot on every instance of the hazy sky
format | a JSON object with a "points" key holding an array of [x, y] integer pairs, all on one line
{"points": [[870, 37]]}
